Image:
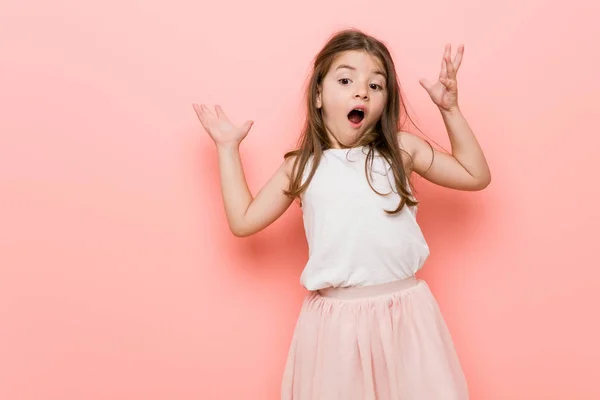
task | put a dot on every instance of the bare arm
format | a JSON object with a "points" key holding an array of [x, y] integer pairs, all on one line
{"points": [[466, 168], [246, 215]]}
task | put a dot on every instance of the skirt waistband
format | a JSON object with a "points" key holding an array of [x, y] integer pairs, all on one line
{"points": [[355, 292]]}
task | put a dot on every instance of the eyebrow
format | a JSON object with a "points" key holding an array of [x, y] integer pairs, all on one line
{"points": [[346, 66]]}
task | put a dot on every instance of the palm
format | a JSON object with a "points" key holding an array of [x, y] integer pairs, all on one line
{"points": [[442, 96], [444, 92], [218, 126]]}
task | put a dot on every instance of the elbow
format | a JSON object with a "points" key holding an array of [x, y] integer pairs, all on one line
{"points": [[240, 232], [483, 183]]}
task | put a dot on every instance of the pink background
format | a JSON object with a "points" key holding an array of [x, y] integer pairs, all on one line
{"points": [[118, 276]]}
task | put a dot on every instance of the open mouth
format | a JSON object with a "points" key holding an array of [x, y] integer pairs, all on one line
{"points": [[356, 116]]}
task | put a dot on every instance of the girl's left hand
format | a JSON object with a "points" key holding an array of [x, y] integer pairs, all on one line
{"points": [[444, 92]]}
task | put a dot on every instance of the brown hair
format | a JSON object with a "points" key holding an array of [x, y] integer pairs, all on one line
{"points": [[383, 139]]}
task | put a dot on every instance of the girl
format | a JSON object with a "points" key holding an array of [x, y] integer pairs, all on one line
{"points": [[368, 329]]}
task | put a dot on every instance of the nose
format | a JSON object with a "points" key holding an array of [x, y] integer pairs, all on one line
{"points": [[361, 93]]}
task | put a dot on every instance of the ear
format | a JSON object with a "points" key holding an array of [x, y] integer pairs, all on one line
{"points": [[319, 100]]}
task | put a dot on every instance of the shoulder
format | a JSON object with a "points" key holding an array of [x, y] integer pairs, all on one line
{"points": [[288, 164], [420, 151], [412, 144], [292, 161]]}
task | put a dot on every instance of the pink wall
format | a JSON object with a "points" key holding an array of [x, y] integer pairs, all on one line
{"points": [[118, 276]]}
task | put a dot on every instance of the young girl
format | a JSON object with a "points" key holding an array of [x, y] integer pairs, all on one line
{"points": [[368, 329]]}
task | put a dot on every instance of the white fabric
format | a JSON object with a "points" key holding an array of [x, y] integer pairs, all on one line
{"points": [[352, 240]]}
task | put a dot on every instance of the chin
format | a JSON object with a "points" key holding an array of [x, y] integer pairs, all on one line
{"points": [[349, 137], [356, 135], [350, 140]]}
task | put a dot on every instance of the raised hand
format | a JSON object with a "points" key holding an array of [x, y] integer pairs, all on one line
{"points": [[444, 92], [218, 126]]}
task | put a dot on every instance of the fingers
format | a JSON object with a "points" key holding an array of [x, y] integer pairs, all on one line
{"points": [[447, 53], [448, 83], [426, 84], [196, 109], [207, 112], [459, 56], [246, 127], [205, 115], [200, 114], [448, 63], [450, 68], [443, 70], [221, 113]]}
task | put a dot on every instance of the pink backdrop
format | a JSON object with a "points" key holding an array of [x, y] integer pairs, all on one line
{"points": [[118, 276]]}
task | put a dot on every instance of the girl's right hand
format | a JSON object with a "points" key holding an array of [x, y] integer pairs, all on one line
{"points": [[220, 129]]}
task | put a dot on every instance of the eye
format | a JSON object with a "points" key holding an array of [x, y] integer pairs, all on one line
{"points": [[375, 86], [344, 81]]}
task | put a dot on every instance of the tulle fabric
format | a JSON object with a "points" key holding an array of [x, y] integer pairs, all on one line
{"points": [[375, 343]]}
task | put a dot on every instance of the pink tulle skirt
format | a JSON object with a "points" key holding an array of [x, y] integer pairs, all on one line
{"points": [[383, 342]]}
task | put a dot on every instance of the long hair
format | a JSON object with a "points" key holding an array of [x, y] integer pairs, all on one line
{"points": [[383, 139]]}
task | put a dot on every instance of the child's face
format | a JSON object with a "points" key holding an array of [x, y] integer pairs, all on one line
{"points": [[355, 80]]}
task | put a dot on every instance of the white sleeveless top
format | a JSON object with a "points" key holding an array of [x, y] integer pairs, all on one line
{"points": [[352, 241]]}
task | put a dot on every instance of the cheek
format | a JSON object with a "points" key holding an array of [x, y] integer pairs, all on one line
{"points": [[333, 106], [379, 106]]}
